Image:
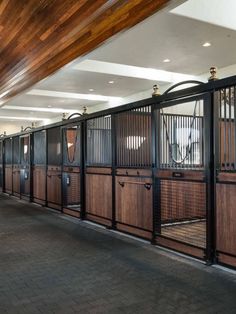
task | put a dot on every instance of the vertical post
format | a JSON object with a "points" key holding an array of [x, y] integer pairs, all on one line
{"points": [[83, 151], [209, 161], [113, 154], [31, 157]]}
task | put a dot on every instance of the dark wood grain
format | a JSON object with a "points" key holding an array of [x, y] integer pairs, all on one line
{"points": [[39, 37], [39, 183]]}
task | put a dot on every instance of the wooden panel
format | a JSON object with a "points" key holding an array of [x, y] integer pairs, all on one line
{"points": [[8, 179], [181, 174], [99, 220], [182, 200], [227, 143], [54, 168], [226, 218], [72, 186], [39, 37], [39, 183], [25, 181], [227, 177], [71, 169], [98, 170], [180, 247], [99, 195], [54, 187], [134, 202], [16, 180], [226, 259], [72, 213], [134, 172]]}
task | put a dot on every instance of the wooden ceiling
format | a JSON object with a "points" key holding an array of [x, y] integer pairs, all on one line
{"points": [[37, 37]]}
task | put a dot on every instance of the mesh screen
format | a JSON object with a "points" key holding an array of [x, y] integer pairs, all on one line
{"points": [[227, 128], [71, 146], [54, 146], [99, 141], [183, 211], [133, 136], [40, 148], [16, 150], [8, 151]]}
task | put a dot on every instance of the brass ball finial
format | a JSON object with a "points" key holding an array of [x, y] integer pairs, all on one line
{"points": [[63, 116], [33, 125], [213, 72], [22, 128], [156, 90], [85, 110]]}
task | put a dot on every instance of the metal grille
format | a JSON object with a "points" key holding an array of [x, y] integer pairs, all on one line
{"points": [[8, 151], [181, 139], [71, 146], [227, 128], [16, 150], [54, 146], [25, 149], [40, 148], [133, 138], [183, 211], [1, 159], [99, 141]]}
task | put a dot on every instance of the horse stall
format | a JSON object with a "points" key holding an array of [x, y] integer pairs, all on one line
{"points": [[71, 175], [39, 167], [8, 165], [16, 166], [225, 137], [98, 170], [181, 178], [1, 166], [133, 176], [54, 162]]}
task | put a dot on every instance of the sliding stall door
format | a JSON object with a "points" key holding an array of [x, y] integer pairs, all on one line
{"points": [[39, 167], [133, 180], [16, 166], [98, 170], [182, 175], [71, 175], [225, 143], [8, 166], [54, 175]]}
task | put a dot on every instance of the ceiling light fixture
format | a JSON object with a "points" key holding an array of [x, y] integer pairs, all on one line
{"points": [[91, 90], [111, 82], [206, 44], [166, 60]]}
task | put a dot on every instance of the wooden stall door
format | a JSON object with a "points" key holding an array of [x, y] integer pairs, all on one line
{"points": [[39, 184], [134, 205], [16, 180], [8, 179], [99, 195], [54, 189]]}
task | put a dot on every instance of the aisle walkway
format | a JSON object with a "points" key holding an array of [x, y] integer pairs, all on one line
{"points": [[53, 264]]}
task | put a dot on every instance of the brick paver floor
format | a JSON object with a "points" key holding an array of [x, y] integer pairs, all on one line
{"points": [[53, 264]]}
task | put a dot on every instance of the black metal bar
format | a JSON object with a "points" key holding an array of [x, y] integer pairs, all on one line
{"points": [[83, 160], [114, 163]]}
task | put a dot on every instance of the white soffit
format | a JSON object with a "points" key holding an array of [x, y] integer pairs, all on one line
{"points": [[218, 12], [132, 71]]}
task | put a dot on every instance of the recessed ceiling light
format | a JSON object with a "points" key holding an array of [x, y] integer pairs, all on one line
{"points": [[91, 90], [166, 60], [111, 82], [49, 106], [206, 44]]}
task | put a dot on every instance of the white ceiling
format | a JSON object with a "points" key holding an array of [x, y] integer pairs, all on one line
{"points": [[178, 37]]}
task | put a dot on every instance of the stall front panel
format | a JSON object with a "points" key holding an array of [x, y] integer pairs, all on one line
{"points": [[39, 167], [8, 165], [54, 174], [71, 175], [25, 166], [133, 181], [16, 166], [98, 170], [225, 143]]}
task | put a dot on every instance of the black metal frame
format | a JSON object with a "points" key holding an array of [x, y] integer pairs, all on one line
{"points": [[169, 98]]}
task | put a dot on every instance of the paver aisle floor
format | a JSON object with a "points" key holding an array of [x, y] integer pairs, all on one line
{"points": [[54, 265]]}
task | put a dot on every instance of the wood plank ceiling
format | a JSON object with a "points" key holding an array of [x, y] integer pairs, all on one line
{"points": [[37, 37]]}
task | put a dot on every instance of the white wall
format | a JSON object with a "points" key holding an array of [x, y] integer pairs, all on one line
{"points": [[12, 127]]}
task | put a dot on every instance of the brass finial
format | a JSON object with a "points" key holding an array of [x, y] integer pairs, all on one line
{"points": [[63, 116], [85, 110], [213, 71], [33, 125], [156, 90], [22, 128], [4, 133]]}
